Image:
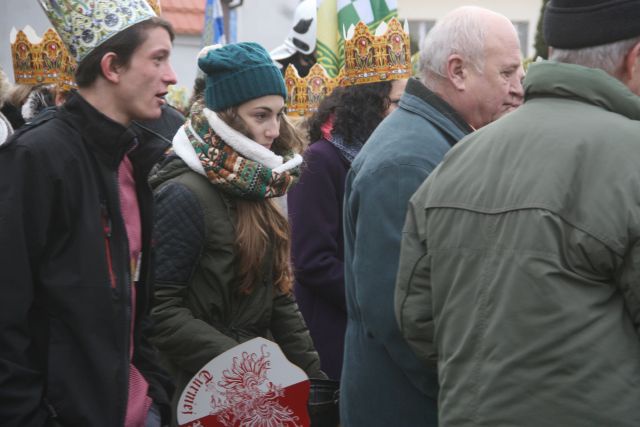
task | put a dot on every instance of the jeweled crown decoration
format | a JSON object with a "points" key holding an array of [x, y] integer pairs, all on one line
{"points": [[156, 6], [85, 25], [305, 93], [383, 56], [41, 60]]}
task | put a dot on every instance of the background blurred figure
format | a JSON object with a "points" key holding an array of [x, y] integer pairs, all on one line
{"points": [[338, 130], [472, 71], [299, 47], [519, 271], [222, 245], [6, 129], [28, 101], [165, 127], [43, 71]]}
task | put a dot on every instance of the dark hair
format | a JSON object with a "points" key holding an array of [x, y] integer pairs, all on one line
{"points": [[197, 93], [302, 62], [357, 111], [123, 44]]}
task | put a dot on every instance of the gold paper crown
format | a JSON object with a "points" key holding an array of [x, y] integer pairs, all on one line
{"points": [[305, 93], [383, 56], [84, 25], [156, 6], [41, 60]]}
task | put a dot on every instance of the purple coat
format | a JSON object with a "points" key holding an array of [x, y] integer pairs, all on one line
{"points": [[315, 214]]}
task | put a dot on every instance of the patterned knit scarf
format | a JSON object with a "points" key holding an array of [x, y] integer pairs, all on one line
{"points": [[231, 161]]}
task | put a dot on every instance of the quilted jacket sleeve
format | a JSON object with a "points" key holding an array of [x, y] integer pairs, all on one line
{"points": [[187, 341]]}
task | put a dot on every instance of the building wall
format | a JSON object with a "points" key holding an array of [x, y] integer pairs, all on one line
{"points": [[519, 12], [265, 22], [184, 59]]}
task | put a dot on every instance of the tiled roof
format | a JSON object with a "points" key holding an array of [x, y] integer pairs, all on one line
{"points": [[186, 16]]}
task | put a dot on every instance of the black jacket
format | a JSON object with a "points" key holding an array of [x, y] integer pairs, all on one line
{"points": [[65, 273]]}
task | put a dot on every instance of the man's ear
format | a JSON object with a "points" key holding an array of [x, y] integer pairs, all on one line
{"points": [[456, 71], [110, 68], [630, 66]]}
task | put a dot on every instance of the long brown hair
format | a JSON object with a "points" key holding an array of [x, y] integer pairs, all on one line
{"points": [[260, 224]]}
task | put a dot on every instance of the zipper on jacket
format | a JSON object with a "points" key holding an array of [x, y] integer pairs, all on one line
{"points": [[127, 296], [106, 228]]}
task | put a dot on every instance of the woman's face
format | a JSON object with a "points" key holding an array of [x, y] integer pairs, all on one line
{"points": [[397, 89], [262, 117]]}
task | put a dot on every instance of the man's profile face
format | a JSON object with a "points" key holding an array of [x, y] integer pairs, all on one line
{"points": [[497, 90], [145, 80]]}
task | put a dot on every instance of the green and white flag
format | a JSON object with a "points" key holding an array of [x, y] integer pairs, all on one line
{"points": [[335, 16]]}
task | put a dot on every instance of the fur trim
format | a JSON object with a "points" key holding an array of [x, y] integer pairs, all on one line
{"points": [[183, 148], [39, 98], [5, 87], [247, 147], [5, 129], [293, 162]]}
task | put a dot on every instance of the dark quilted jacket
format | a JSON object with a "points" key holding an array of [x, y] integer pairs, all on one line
{"points": [[198, 311]]}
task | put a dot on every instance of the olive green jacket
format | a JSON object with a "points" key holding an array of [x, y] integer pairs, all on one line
{"points": [[520, 264], [198, 311]]}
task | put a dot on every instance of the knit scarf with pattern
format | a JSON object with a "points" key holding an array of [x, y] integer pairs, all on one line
{"points": [[231, 161]]}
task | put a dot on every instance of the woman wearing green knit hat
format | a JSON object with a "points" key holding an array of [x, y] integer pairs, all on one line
{"points": [[222, 245]]}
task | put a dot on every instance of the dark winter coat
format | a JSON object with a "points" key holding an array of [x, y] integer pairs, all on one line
{"points": [[65, 279], [315, 214], [383, 382], [165, 127], [519, 274], [199, 312]]}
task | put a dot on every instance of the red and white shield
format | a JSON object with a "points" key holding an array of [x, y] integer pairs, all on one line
{"points": [[251, 385]]}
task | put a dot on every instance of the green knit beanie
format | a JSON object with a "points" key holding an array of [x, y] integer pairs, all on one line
{"points": [[237, 73]]}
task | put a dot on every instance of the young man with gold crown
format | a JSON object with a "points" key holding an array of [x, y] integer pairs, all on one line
{"points": [[75, 235]]}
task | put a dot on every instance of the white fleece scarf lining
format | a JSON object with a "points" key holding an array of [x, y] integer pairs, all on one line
{"points": [[243, 145]]}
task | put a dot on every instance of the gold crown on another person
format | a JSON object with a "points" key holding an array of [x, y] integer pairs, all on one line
{"points": [[41, 60], [383, 56], [85, 25], [156, 6], [305, 93]]}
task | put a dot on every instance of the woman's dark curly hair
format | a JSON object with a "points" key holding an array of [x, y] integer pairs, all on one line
{"points": [[358, 110]]}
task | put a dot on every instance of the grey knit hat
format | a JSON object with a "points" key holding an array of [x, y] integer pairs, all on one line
{"points": [[237, 73]]}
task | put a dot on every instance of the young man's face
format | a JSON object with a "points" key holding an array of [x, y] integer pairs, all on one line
{"points": [[145, 80]]}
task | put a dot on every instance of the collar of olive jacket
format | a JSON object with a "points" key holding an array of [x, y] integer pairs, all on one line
{"points": [[590, 85]]}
